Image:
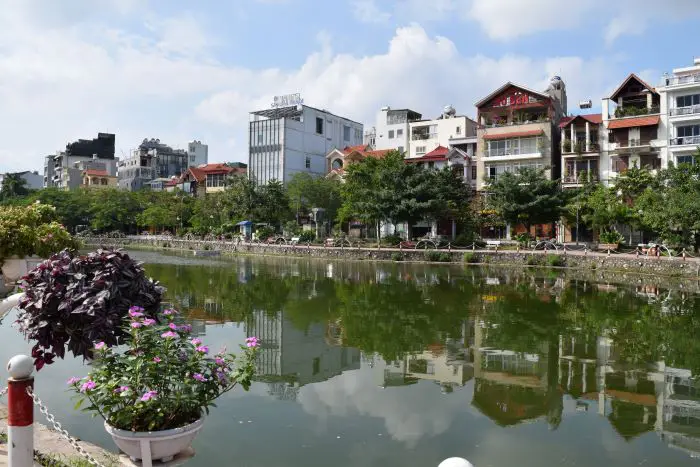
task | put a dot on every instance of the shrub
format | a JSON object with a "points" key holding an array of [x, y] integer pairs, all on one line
{"points": [[432, 256], [307, 236], [392, 240], [555, 261], [72, 301], [32, 230], [291, 229], [465, 239], [470, 257], [523, 238], [611, 236], [264, 232], [444, 257], [396, 256], [532, 260], [164, 380]]}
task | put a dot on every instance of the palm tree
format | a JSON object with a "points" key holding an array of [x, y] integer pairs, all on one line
{"points": [[13, 185]]}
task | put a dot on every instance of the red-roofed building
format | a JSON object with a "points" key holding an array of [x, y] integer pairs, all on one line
{"points": [[208, 178], [97, 178]]}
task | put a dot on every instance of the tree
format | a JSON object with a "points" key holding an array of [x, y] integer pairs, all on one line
{"points": [[365, 198], [527, 197], [114, 209], [13, 186], [157, 216], [73, 208], [603, 208], [273, 205], [307, 192]]}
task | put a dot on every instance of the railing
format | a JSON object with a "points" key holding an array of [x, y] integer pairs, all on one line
{"points": [[689, 110], [682, 140], [678, 80], [423, 136], [510, 152], [579, 179]]}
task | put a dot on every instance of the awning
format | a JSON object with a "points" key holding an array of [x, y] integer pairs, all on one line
{"points": [[514, 134], [634, 122]]}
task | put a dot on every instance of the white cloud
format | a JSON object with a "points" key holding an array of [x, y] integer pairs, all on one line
{"points": [[367, 11], [63, 80]]}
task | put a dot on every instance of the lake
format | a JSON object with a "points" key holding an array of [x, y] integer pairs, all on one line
{"points": [[366, 364]]}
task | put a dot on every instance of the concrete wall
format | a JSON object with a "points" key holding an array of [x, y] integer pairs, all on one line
{"points": [[446, 130]]}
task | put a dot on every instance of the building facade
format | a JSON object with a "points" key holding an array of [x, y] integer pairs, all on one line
{"points": [[197, 153], [60, 169], [98, 179], [392, 129], [518, 128], [448, 130], [151, 160], [287, 140], [581, 141], [680, 114]]}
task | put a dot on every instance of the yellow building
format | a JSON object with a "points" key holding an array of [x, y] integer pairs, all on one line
{"points": [[93, 178]]}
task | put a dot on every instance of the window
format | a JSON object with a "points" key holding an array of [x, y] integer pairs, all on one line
{"points": [[687, 101], [337, 164], [391, 134], [307, 163], [400, 149], [193, 158], [492, 173], [420, 150], [509, 147], [691, 130], [319, 125], [458, 130], [431, 164], [346, 133], [473, 172], [358, 135], [260, 138], [399, 132], [685, 159]]}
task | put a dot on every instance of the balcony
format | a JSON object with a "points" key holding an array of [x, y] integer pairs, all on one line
{"points": [[512, 152], [581, 178], [685, 140], [634, 111], [690, 110], [423, 136], [579, 147], [681, 80]]}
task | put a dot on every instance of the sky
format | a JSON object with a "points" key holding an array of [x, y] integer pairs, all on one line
{"points": [[180, 70]]}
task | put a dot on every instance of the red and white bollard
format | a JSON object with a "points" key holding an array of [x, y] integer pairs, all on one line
{"points": [[20, 416]]}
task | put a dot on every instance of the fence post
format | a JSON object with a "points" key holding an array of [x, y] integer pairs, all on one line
{"points": [[683, 254], [20, 414], [608, 251]]}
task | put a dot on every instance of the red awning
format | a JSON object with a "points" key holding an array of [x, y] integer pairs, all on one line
{"points": [[514, 134], [634, 122]]}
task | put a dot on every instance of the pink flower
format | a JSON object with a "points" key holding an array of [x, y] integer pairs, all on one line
{"points": [[136, 312], [149, 322], [220, 361], [169, 312], [88, 385], [73, 381], [168, 335], [196, 341], [252, 342], [121, 389], [186, 328], [173, 326], [148, 395], [157, 359], [135, 325], [202, 349], [199, 377], [100, 346]]}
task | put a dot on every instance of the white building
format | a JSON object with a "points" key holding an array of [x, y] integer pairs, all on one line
{"points": [[680, 114], [448, 130], [293, 139], [392, 129], [33, 180], [198, 153]]}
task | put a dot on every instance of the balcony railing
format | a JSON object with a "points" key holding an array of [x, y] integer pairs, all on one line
{"points": [[690, 110], [683, 140], [510, 152], [581, 178], [678, 80], [579, 147], [423, 136]]}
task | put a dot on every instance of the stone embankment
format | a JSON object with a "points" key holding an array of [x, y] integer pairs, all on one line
{"points": [[628, 262]]}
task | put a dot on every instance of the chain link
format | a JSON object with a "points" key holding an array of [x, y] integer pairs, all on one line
{"points": [[59, 428]]}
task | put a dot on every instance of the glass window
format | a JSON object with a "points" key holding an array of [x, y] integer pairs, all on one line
{"points": [[420, 150], [473, 172], [458, 130], [308, 162], [391, 134], [685, 159], [319, 125], [399, 132], [691, 130], [687, 101], [400, 149], [346, 133]]}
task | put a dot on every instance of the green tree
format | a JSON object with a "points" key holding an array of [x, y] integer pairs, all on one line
{"points": [[364, 198], [114, 209], [603, 208], [73, 208], [526, 197], [307, 192], [273, 204], [158, 217], [13, 186]]}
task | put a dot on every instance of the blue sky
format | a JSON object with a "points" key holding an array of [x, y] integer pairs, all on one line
{"points": [[179, 70]]}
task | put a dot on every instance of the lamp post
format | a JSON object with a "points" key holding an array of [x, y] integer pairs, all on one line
{"points": [[578, 208]]}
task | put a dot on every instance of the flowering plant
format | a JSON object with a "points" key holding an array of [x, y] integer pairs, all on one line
{"points": [[164, 379]]}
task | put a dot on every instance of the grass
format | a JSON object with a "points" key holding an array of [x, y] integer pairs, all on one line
{"points": [[555, 261], [396, 256], [59, 460], [470, 257], [3, 437]]}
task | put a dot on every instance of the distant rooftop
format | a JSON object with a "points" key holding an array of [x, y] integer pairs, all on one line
{"points": [[293, 112]]}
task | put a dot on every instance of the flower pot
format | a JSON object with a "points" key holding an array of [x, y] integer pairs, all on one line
{"points": [[607, 246], [163, 445], [13, 268]]}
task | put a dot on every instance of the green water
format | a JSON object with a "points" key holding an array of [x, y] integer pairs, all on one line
{"points": [[405, 365]]}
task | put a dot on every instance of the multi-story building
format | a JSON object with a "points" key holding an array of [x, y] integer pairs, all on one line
{"points": [[634, 135], [518, 127], [581, 138], [98, 179], [680, 114], [448, 130], [197, 153], [208, 178], [60, 169], [288, 140], [33, 181], [151, 160], [392, 129]]}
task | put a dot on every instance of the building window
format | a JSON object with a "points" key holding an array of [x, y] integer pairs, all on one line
{"points": [[400, 149], [685, 160], [346, 133], [420, 150], [307, 162], [458, 130], [473, 172], [260, 138], [358, 135], [399, 132], [391, 134], [192, 159], [687, 101], [512, 147], [337, 164], [319, 125], [431, 164]]}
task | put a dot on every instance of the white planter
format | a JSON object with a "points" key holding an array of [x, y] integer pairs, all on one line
{"points": [[14, 268], [163, 445]]}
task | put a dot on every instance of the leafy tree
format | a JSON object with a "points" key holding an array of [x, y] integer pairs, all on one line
{"points": [[114, 209], [527, 197], [13, 186], [603, 208], [273, 204], [157, 216], [307, 192], [73, 208], [364, 198]]}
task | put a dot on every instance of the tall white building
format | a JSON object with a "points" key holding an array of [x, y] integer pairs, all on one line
{"points": [[680, 114], [392, 129], [197, 153], [448, 130], [286, 140]]}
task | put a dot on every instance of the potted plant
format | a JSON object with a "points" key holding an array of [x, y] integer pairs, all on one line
{"points": [[71, 301], [154, 393], [27, 234], [566, 146], [609, 240]]}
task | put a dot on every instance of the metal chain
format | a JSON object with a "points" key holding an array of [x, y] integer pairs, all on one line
{"points": [[59, 428], [3, 391]]}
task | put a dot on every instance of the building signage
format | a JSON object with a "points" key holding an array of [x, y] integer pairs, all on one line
{"points": [[514, 98], [287, 100]]}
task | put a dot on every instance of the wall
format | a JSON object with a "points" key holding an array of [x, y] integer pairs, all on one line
{"points": [[198, 153], [446, 129]]}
